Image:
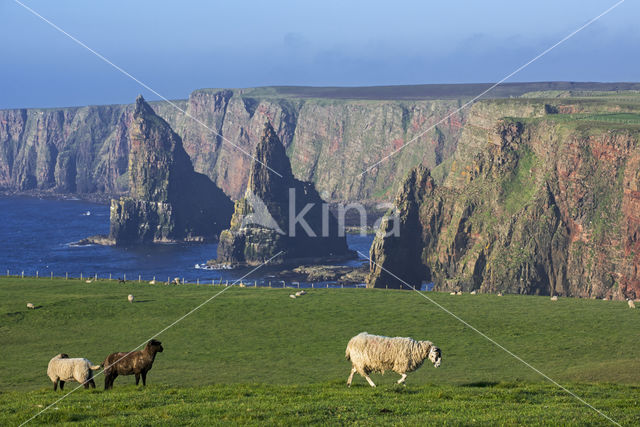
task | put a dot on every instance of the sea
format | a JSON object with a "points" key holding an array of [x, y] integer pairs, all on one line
{"points": [[37, 236]]}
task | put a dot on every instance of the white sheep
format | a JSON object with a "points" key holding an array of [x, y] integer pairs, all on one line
{"points": [[62, 368], [473, 292], [631, 304], [554, 298], [292, 296], [152, 282], [375, 353], [31, 306], [300, 293], [130, 298]]}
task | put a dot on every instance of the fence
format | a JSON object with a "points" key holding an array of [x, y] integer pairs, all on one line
{"points": [[262, 283]]}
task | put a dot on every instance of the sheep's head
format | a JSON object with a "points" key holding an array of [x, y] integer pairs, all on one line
{"points": [[435, 356], [155, 346]]}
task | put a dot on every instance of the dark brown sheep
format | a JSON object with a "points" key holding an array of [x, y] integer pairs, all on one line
{"points": [[135, 362]]}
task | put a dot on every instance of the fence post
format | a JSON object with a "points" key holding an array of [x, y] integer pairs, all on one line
{"points": [[269, 283], [95, 277], [198, 281], [52, 275], [80, 276], [139, 278], [327, 286], [167, 280], [37, 274], [23, 274], [109, 276], [312, 286], [66, 276], [125, 277]]}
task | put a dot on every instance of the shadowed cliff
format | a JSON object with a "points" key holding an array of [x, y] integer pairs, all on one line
{"points": [[280, 214], [167, 200]]}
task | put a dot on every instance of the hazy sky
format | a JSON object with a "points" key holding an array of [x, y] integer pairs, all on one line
{"points": [[176, 47]]}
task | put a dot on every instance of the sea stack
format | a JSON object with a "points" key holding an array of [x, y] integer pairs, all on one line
{"points": [[168, 201], [280, 217]]}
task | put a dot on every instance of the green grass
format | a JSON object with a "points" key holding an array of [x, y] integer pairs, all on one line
{"points": [[255, 355]]}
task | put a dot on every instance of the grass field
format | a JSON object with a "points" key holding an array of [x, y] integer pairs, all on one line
{"points": [[255, 355]]}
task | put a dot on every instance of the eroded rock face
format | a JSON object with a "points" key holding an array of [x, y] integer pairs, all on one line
{"points": [[544, 206], [85, 150], [168, 201], [264, 223]]}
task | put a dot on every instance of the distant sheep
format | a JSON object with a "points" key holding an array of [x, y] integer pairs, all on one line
{"points": [[62, 368], [554, 298], [300, 293], [137, 363], [31, 306], [130, 298], [473, 292], [176, 280], [152, 282], [631, 304], [292, 296], [375, 353]]}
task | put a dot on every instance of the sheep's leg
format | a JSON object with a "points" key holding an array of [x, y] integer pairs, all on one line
{"points": [[61, 385], [137, 378], [401, 380], [55, 385], [371, 383], [144, 378], [92, 383], [353, 371]]}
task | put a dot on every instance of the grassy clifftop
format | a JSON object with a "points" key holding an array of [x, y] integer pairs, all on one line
{"points": [[272, 356]]}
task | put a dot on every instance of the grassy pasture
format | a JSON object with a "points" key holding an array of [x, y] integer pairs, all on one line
{"points": [[256, 355]]}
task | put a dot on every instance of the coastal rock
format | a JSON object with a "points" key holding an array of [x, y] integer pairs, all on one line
{"points": [[168, 201], [280, 216], [541, 204]]}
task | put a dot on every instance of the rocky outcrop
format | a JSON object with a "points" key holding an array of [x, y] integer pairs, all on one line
{"points": [[543, 204], [329, 141], [168, 201], [280, 216]]}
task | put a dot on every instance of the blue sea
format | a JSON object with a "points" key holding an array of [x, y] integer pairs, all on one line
{"points": [[37, 235]]}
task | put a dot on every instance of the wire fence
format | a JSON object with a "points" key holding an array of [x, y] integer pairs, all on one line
{"points": [[123, 278]]}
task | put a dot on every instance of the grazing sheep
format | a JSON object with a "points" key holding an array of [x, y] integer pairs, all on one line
{"points": [[292, 296], [631, 304], [499, 294], [176, 280], [135, 362], [122, 281], [300, 293], [473, 292], [130, 298], [152, 282], [554, 298], [459, 293], [452, 293], [375, 353], [31, 306], [62, 368]]}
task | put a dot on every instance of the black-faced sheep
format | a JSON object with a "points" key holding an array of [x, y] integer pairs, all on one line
{"points": [[62, 368], [375, 353], [137, 363]]}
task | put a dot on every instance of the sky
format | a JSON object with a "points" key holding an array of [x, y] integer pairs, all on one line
{"points": [[177, 47]]}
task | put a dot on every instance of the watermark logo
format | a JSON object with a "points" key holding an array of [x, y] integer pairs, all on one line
{"points": [[338, 219]]}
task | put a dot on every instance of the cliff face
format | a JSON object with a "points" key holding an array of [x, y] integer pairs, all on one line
{"points": [[329, 142], [543, 204], [279, 214], [167, 200]]}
